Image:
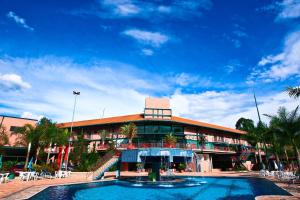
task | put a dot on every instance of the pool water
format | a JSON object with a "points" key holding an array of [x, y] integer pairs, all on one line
{"points": [[207, 188]]}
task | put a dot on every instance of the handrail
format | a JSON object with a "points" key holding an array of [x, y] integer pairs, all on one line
{"points": [[102, 162]]}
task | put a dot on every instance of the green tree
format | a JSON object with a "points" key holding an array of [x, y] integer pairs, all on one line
{"points": [[4, 139], [202, 140], [254, 135], [129, 130], [170, 140], [103, 134], [287, 126], [245, 124], [293, 91], [80, 149], [26, 135]]}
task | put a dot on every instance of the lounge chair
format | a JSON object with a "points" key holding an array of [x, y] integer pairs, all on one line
{"points": [[4, 178]]}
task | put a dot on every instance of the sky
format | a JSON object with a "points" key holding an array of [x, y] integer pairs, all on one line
{"points": [[206, 56]]}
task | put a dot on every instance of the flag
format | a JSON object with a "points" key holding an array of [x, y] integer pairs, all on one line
{"points": [[29, 166], [0, 161]]}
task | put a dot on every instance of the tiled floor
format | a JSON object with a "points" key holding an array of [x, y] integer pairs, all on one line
{"points": [[25, 187]]}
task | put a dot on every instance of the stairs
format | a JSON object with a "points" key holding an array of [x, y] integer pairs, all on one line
{"points": [[99, 173], [103, 165]]}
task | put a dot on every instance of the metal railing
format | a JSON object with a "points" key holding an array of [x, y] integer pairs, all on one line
{"points": [[103, 161]]}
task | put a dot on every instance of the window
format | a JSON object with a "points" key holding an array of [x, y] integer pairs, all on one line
{"points": [[177, 129], [140, 129], [14, 128], [148, 129], [165, 129]]}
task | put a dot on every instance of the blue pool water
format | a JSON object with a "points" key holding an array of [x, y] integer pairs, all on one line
{"points": [[207, 188]]}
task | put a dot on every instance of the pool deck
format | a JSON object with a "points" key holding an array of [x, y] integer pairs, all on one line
{"points": [[17, 189]]}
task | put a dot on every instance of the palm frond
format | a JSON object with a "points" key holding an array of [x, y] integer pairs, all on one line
{"points": [[293, 91]]}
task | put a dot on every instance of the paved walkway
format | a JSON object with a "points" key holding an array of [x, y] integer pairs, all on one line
{"points": [[17, 189]]}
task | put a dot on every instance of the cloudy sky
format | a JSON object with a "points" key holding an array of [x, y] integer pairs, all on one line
{"points": [[207, 56]]}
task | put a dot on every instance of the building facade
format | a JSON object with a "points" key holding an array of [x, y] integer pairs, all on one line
{"points": [[8, 125], [212, 146]]}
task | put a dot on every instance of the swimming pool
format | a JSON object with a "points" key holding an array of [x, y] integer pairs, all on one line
{"points": [[200, 188]]}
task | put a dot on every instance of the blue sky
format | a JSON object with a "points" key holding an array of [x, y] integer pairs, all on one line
{"points": [[207, 56]]}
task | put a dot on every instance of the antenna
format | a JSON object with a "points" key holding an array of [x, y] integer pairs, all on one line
{"points": [[256, 107], [103, 113]]}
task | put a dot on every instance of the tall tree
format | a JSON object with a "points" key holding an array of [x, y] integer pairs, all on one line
{"points": [[170, 140], [4, 139], [245, 124], [293, 91], [202, 140], [129, 130], [103, 135], [26, 135], [288, 126], [253, 136]]}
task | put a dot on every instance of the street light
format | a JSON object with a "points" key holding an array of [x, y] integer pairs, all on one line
{"points": [[75, 93]]}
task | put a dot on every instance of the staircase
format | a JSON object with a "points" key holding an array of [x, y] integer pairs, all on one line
{"points": [[107, 161], [99, 173]]}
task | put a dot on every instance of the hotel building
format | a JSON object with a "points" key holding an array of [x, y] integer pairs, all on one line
{"points": [[220, 146], [8, 125]]}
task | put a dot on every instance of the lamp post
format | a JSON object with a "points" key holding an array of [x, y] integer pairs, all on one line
{"points": [[75, 93]]}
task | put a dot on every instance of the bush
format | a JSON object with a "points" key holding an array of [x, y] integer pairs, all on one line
{"points": [[152, 176], [49, 168], [182, 166], [113, 168], [8, 164]]}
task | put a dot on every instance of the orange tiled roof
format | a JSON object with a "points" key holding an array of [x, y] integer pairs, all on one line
{"points": [[140, 117]]}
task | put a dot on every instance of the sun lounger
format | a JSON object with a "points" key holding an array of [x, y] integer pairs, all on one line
{"points": [[4, 178]]}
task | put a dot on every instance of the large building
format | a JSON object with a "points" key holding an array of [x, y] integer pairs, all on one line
{"points": [[212, 146], [8, 126]]}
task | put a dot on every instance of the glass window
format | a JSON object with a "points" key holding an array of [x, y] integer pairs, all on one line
{"points": [[140, 129], [148, 129], [178, 129], [156, 129], [165, 129]]}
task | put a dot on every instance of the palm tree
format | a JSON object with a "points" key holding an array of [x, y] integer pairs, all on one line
{"points": [[103, 135], [254, 135], [45, 132], [170, 140], [245, 124], [288, 127], [202, 140], [59, 137], [293, 91], [129, 130], [4, 139], [25, 137]]}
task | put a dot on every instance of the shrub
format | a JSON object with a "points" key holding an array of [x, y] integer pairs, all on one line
{"points": [[8, 164], [152, 176], [182, 166]]}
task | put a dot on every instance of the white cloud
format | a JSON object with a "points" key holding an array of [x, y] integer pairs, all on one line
{"points": [[31, 116], [149, 10], [184, 79], [289, 9], [147, 52], [19, 20], [122, 7], [280, 66], [121, 89], [164, 9], [225, 108], [118, 87], [13, 82], [155, 39]]}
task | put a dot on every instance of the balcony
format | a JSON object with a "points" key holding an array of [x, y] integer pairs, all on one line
{"points": [[153, 145]]}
